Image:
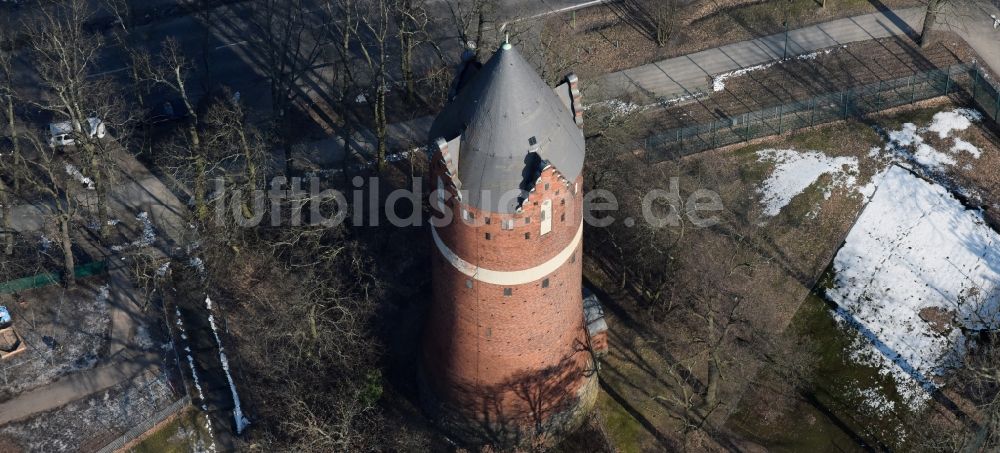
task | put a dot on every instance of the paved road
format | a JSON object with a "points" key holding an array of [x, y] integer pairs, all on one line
{"points": [[75, 386], [676, 77]]}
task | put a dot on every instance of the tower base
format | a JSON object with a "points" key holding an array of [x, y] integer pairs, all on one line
{"points": [[483, 420]]}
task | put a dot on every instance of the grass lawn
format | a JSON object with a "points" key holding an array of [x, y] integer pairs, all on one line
{"points": [[627, 435], [185, 433]]}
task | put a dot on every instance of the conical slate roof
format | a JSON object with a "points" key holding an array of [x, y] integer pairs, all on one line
{"points": [[510, 123]]}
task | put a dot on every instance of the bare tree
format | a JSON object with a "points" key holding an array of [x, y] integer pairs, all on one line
{"points": [[285, 34], [127, 40], [471, 18], [173, 70], [47, 180], [7, 96], [65, 55], [369, 28], [663, 16], [934, 8], [241, 151], [949, 13], [657, 19], [411, 26]]}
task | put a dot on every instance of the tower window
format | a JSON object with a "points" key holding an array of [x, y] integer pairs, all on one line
{"points": [[562, 217], [527, 220], [507, 224], [546, 186], [527, 235], [562, 202], [507, 292], [486, 219], [487, 236], [440, 194], [545, 283], [468, 283]]}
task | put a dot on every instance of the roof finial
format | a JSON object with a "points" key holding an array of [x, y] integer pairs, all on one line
{"points": [[506, 41]]}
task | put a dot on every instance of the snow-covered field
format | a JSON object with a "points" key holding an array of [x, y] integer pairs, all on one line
{"points": [[916, 269]]}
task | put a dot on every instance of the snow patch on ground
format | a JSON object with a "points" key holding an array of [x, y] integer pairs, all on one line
{"points": [[956, 120], [44, 242], [163, 269], [197, 264], [907, 142], [148, 234], [797, 170], [719, 81], [75, 173], [964, 146], [915, 249], [241, 420], [194, 378], [876, 402]]}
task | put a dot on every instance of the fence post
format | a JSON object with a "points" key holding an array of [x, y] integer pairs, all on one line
{"points": [[975, 82], [779, 119], [878, 97], [996, 114], [947, 82], [812, 113], [913, 88], [845, 98]]}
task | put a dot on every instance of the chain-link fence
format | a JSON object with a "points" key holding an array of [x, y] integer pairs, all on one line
{"points": [[48, 278], [853, 103], [146, 425], [984, 93]]}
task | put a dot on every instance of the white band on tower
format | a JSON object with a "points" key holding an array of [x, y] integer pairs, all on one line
{"points": [[508, 277]]}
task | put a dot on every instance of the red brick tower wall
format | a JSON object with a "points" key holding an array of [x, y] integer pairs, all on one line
{"points": [[510, 358]]}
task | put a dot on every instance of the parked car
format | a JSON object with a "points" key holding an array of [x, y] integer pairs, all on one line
{"points": [[166, 111], [61, 133], [5, 319]]}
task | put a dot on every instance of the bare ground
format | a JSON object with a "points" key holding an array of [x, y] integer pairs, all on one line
{"points": [[91, 423], [65, 331], [654, 353]]}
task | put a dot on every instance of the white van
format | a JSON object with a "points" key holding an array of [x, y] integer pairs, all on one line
{"points": [[61, 133]]}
